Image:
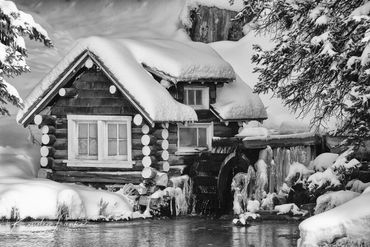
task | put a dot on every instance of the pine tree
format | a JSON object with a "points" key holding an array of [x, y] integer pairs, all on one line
{"points": [[14, 25], [320, 60]]}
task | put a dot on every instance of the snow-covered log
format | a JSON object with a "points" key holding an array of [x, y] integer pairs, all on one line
{"points": [[163, 166]]}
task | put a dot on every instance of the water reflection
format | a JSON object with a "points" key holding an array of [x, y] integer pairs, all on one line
{"points": [[179, 232]]}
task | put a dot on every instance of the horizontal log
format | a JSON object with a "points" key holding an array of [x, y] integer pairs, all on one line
{"points": [[44, 173], [119, 110], [61, 143], [61, 133], [148, 150], [148, 160], [147, 140], [47, 129], [97, 93], [92, 83], [136, 130], [48, 139], [149, 173], [61, 154], [112, 89], [60, 165], [67, 92], [164, 144], [138, 120], [46, 162], [44, 120], [136, 143], [136, 135], [61, 123], [137, 154], [89, 102], [161, 133], [47, 151], [164, 155], [145, 129], [162, 166], [90, 177], [172, 137]]}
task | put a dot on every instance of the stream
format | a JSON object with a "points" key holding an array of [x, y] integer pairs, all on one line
{"points": [[189, 231]]}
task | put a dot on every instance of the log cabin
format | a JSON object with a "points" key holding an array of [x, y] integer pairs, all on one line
{"points": [[114, 111]]}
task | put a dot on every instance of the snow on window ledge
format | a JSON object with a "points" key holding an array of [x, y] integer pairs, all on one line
{"points": [[99, 163]]}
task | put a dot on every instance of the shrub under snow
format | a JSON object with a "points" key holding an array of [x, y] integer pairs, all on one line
{"points": [[333, 199]]}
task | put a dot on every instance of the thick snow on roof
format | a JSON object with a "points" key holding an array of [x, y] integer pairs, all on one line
{"points": [[237, 101], [123, 59], [184, 61]]}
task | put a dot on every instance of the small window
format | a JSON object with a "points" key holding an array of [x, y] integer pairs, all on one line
{"points": [[100, 140], [197, 97], [195, 136]]}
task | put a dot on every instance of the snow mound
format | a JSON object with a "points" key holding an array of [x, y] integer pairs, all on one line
{"points": [[70, 205], [327, 178], [349, 220], [323, 161], [253, 129], [253, 206], [293, 127], [333, 199]]}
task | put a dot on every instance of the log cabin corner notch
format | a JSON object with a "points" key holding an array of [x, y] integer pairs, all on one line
{"points": [[111, 108]]}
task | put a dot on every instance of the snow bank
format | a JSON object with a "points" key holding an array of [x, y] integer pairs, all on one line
{"points": [[253, 129], [350, 220], [236, 100], [16, 163], [333, 199], [46, 199]]}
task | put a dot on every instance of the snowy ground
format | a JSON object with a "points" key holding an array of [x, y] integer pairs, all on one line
{"points": [[22, 195]]}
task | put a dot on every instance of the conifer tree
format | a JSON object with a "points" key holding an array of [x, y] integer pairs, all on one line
{"points": [[320, 60], [14, 25]]}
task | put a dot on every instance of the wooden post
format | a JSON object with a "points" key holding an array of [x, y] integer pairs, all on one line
{"points": [[138, 119], [48, 139], [67, 92], [44, 120]]}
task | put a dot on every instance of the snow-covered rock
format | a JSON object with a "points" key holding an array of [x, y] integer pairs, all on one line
{"points": [[323, 161], [349, 220], [333, 199], [357, 185], [298, 168], [253, 206], [289, 208]]}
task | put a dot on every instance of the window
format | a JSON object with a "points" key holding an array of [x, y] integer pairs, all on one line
{"points": [[99, 141], [195, 136], [197, 97]]}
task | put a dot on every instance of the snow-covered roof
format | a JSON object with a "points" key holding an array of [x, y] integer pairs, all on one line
{"points": [[236, 100], [124, 60]]}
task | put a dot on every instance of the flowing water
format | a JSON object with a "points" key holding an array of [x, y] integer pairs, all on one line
{"points": [[190, 231]]}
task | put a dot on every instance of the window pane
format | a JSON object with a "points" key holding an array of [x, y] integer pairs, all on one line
{"points": [[82, 130], [93, 130], [122, 147], [188, 137], [93, 147], [122, 131], [82, 146], [191, 97], [112, 147], [112, 131], [202, 137], [198, 97]]}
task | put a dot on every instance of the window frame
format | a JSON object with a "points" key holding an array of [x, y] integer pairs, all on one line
{"points": [[209, 136], [205, 97], [103, 160]]}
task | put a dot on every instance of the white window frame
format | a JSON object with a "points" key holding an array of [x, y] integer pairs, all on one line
{"points": [[209, 133], [103, 160], [205, 97]]}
